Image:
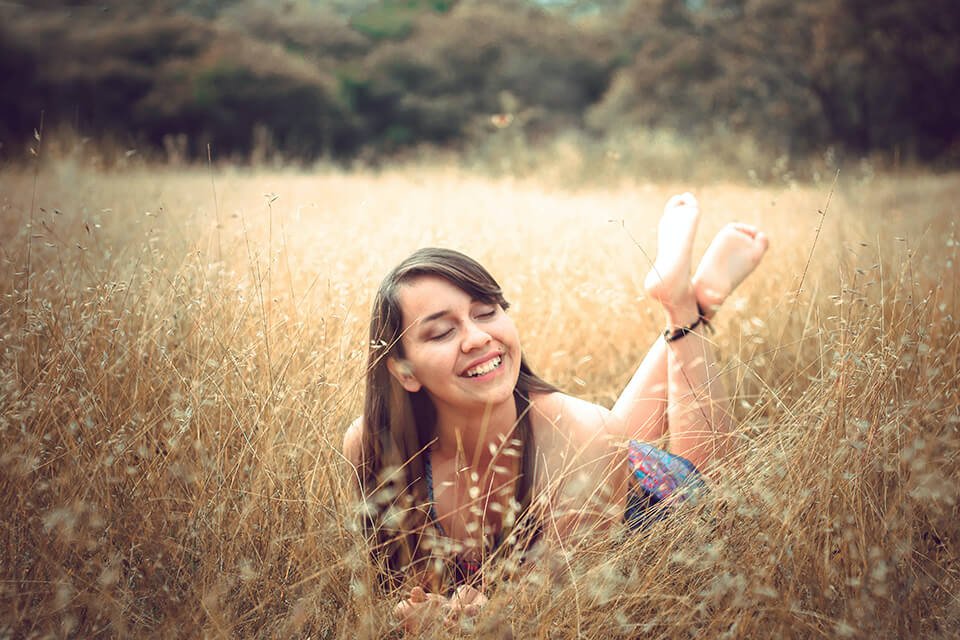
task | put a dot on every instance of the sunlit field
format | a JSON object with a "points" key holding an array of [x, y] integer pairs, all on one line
{"points": [[184, 348]]}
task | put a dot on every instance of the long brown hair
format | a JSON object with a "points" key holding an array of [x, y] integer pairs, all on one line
{"points": [[398, 426]]}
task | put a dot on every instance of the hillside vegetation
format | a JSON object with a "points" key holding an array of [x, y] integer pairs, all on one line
{"points": [[363, 80]]}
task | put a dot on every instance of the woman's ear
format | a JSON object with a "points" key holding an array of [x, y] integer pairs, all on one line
{"points": [[403, 372]]}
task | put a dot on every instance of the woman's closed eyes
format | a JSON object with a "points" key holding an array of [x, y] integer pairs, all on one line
{"points": [[485, 313], [440, 336]]}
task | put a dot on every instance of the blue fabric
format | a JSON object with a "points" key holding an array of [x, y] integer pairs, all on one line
{"points": [[658, 477]]}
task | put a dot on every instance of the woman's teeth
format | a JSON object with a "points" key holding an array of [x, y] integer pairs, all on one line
{"points": [[486, 367]]}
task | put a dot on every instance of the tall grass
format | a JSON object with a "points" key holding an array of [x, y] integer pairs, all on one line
{"points": [[179, 368]]}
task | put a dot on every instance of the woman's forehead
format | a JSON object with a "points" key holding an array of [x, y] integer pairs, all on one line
{"points": [[427, 296]]}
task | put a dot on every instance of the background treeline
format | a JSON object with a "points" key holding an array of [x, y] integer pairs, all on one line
{"points": [[342, 79]]}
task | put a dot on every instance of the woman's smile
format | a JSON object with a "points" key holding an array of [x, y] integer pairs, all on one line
{"points": [[448, 331], [485, 368]]}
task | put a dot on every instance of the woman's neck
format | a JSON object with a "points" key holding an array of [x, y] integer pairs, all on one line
{"points": [[469, 435]]}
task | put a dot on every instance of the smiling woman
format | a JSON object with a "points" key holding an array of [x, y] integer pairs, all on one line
{"points": [[459, 435], [445, 376], [463, 351]]}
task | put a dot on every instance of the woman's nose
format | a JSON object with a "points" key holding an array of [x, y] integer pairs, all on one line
{"points": [[474, 337]]}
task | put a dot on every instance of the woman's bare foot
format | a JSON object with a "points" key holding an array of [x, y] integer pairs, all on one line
{"points": [[733, 255], [669, 280]]}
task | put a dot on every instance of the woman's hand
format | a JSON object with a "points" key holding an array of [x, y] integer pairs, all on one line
{"points": [[466, 601], [421, 608], [415, 612]]}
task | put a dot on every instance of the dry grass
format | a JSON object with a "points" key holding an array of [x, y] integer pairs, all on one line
{"points": [[174, 393]]}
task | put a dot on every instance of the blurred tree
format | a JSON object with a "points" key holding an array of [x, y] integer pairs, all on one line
{"points": [[580, 8], [394, 19], [887, 73], [454, 68], [301, 28], [90, 77], [864, 74], [238, 85], [796, 75], [168, 73]]}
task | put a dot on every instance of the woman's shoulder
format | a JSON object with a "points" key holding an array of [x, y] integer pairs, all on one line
{"points": [[353, 442], [568, 416], [571, 431], [576, 452]]}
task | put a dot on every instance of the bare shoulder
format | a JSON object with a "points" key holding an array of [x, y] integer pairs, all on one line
{"points": [[578, 459], [570, 432], [571, 419], [353, 442]]}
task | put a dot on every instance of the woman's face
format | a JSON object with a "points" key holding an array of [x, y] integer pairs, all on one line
{"points": [[464, 352]]}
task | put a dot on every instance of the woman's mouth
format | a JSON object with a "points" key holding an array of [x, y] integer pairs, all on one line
{"points": [[484, 367]]}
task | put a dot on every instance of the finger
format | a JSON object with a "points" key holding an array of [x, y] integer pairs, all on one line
{"points": [[466, 594], [413, 616], [452, 616], [402, 611], [407, 609], [471, 595]]}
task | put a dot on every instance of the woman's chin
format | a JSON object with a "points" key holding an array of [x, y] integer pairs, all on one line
{"points": [[493, 396]]}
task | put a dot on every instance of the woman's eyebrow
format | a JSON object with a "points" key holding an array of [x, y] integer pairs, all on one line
{"points": [[443, 312], [434, 316]]}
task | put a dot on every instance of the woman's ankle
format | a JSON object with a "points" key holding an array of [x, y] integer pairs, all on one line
{"points": [[682, 315], [707, 300]]}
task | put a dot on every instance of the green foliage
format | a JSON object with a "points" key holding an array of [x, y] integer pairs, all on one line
{"points": [[455, 70], [394, 19], [306, 29], [351, 87], [236, 88], [800, 76], [398, 135], [858, 75]]}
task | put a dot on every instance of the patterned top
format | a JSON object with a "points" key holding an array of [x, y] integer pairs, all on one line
{"points": [[658, 477], [464, 570]]}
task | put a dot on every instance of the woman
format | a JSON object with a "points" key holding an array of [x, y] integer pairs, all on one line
{"points": [[462, 447]]}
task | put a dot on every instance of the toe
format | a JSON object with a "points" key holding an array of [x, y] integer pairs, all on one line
{"points": [[761, 242], [682, 200], [744, 228]]}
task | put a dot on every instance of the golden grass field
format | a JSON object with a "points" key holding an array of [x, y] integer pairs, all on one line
{"points": [[183, 350]]}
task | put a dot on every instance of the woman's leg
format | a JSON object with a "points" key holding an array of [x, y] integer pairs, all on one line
{"points": [[642, 407], [733, 254], [697, 401], [648, 415], [696, 412]]}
